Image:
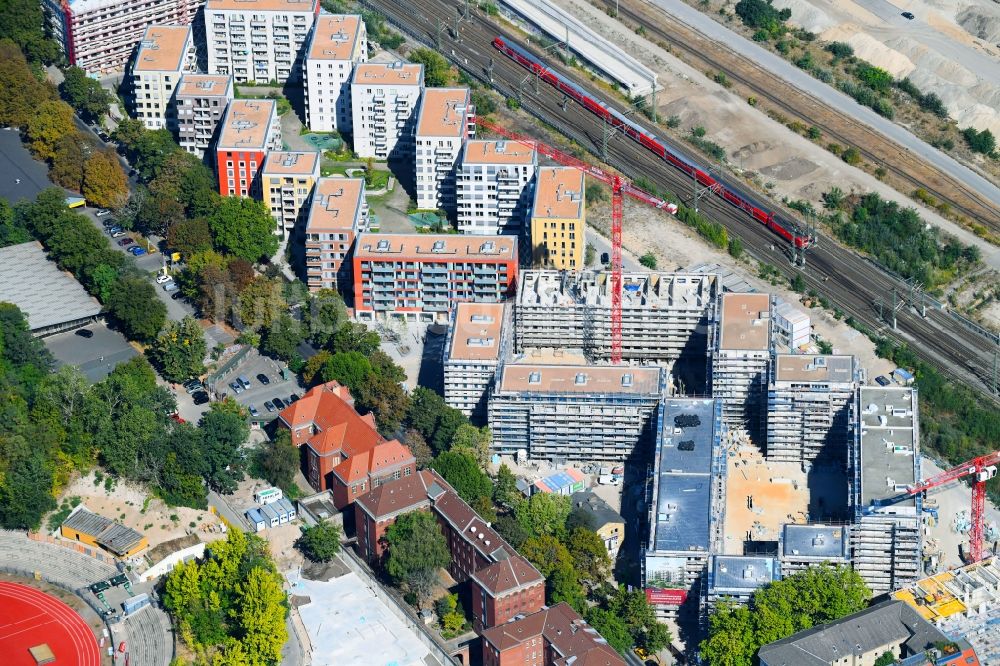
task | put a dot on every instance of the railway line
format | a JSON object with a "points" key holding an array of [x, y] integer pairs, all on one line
{"points": [[840, 274]]}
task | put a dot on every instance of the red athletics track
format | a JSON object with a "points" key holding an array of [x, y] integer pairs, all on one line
{"points": [[29, 617]]}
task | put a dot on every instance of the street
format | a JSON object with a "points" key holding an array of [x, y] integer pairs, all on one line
{"points": [[17, 164]]}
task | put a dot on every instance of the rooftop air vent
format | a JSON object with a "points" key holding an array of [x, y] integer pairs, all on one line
{"points": [[581, 379], [382, 246], [535, 377], [438, 246], [627, 379]]}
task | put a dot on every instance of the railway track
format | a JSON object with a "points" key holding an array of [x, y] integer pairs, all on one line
{"points": [[876, 148], [840, 274]]}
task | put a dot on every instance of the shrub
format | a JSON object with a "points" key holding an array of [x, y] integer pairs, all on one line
{"points": [[875, 78], [673, 122], [840, 49], [979, 142], [513, 104], [814, 133], [648, 260], [852, 156]]}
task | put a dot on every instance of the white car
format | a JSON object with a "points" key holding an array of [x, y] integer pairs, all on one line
{"points": [[161, 278], [103, 212]]}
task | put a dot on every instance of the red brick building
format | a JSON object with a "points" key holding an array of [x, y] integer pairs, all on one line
{"points": [[502, 582], [555, 636], [343, 452]]}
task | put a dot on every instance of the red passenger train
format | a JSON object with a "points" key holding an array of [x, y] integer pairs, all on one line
{"points": [[731, 193]]}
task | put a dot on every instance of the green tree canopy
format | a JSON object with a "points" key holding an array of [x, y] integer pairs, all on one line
{"points": [[244, 227], [320, 542], [417, 549], [224, 430], [352, 369], [179, 350], [544, 514], [85, 94], [279, 460], [282, 338], [433, 418], [437, 71], [189, 236], [136, 308], [464, 474], [611, 627]]}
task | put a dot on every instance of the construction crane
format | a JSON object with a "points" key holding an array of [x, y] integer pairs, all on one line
{"points": [[619, 188], [982, 469]]}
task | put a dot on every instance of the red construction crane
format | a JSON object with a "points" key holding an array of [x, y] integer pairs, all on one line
{"points": [[619, 187]]}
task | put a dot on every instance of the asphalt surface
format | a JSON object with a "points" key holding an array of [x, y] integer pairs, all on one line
{"points": [[96, 357], [846, 278], [259, 393], [16, 163], [788, 72]]}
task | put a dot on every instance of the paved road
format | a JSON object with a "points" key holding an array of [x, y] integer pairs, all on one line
{"points": [[821, 91], [16, 163]]}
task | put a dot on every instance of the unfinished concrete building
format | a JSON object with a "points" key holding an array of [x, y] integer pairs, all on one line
{"points": [[885, 460], [687, 510], [476, 340], [664, 315], [810, 399], [803, 546], [574, 412], [734, 578], [741, 353]]}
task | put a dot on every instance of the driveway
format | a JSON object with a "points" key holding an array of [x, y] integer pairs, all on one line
{"points": [[96, 357]]}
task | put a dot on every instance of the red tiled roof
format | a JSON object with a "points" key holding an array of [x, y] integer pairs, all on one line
{"points": [[390, 454], [508, 574], [330, 409], [571, 638], [405, 494]]}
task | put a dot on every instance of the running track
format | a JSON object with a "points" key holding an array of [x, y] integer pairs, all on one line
{"points": [[29, 617]]}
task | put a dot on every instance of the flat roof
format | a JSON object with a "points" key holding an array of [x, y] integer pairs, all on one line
{"points": [[251, 6], [745, 322], [334, 37], [889, 442], [742, 573], [439, 247], [824, 542], [280, 162], [559, 193], [580, 379], [683, 485], [484, 151], [814, 368], [246, 124], [476, 332], [388, 74], [443, 112], [163, 48], [639, 290], [336, 204], [205, 85], [51, 296]]}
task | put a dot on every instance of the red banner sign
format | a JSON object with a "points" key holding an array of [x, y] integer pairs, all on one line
{"points": [[666, 597]]}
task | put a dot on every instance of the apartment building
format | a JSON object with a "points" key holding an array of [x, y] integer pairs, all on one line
{"points": [[574, 412], [472, 353], [810, 404], [424, 276], [741, 353], [494, 187], [338, 213], [558, 218], [554, 636], [200, 103], [885, 460], [286, 183], [734, 578], [336, 43], [687, 511], [384, 99], [99, 36], [250, 129], [802, 546], [257, 41], [665, 316], [792, 328], [161, 58], [445, 121]]}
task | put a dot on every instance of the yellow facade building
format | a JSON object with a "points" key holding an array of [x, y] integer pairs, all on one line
{"points": [[286, 183], [558, 218], [95, 530]]}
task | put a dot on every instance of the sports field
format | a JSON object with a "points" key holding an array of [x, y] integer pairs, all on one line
{"points": [[30, 618]]}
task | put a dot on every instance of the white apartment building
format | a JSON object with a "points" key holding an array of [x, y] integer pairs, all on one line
{"points": [[471, 355], [446, 120], [164, 54], [258, 40], [741, 353], [337, 42], [99, 35], [200, 102], [337, 213], [384, 98], [494, 187]]}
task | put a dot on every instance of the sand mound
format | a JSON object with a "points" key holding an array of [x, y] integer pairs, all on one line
{"points": [[807, 15], [868, 48], [790, 169], [981, 22]]}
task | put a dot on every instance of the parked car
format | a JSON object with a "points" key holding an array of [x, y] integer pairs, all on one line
{"points": [[110, 223], [104, 137], [909, 16], [881, 380], [253, 411], [102, 212], [125, 242], [263, 379], [162, 277], [278, 403], [605, 258], [199, 397], [292, 398], [117, 234], [137, 251], [243, 381], [176, 295], [268, 406], [84, 333], [192, 385], [237, 387], [170, 286]]}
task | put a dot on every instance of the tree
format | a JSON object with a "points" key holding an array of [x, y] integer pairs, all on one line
{"points": [[320, 542], [260, 302], [281, 339], [648, 260], [189, 236], [68, 162], [633, 607], [23, 93], [418, 447], [730, 639], [564, 586], [355, 336], [611, 627], [104, 182], [326, 314], [179, 350], [150, 151], [979, 142], [85, 94], [417, 549], [466, 477], [385, 398], [224, 429], [735, 248], [51, 121], [12, 232], [590, 556], [243, 227], [260, 615], [22, 22], [437, 71], [279, 460], [351, 369], [473, 441], [26, 490], [547, 553], [136, 308], [544, 513], [505, 492], [887, 658], [511, 530], [451, 614], [433, 418]]}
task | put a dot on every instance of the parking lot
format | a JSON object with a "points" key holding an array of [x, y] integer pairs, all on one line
{"points": [[258, 394], [97, 356], [22, 177]]}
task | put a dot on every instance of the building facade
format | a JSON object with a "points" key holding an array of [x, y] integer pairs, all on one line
{"points": [[803, 546], [258, 41], [163, 55], [286, 184], [472, 352], [424, 276], [384, 99], [100, 35], [558, 219], [494, 187], [554, 636], [581, 413], [607, 523], [445, 121], [338, 213], [200, 103], [336, 44], [734, 578], [250, 129], [741, 353], [810, 408]]}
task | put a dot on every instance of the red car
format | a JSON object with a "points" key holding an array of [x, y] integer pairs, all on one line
{"points": [[125, 241]]}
